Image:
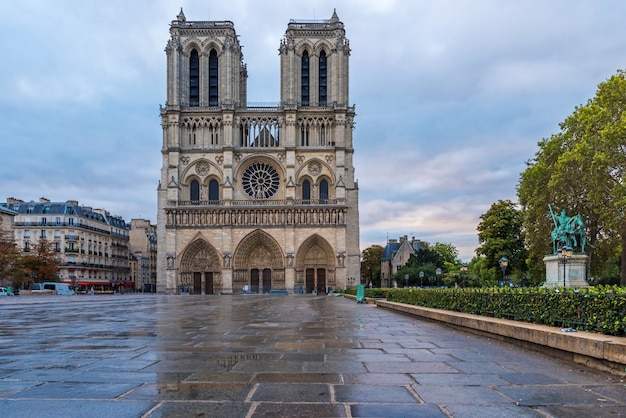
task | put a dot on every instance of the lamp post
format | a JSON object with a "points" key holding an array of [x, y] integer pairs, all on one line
{"points": [[463, 272], [504, 262], [564, 254], [438, 273], [421, 279]]}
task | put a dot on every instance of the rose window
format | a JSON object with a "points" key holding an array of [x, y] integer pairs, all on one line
{"points": [[260, 181]]}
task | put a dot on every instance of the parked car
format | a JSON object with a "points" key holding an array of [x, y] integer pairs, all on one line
{"points": [[4, 291]]}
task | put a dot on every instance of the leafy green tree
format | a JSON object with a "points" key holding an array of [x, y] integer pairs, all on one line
{"points": [[448, 254], [501, 234], [370, 264], [582, 169]]}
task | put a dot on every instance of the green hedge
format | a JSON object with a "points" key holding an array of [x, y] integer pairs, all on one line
{"points": [[599, 309]]}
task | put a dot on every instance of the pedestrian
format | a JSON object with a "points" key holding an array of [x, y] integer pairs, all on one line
{"points": [[92, 291]]}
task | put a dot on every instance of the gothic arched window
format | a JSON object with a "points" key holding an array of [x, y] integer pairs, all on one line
{"points": [[194, 79], [214, 191], [305, 79], [213, 78], [323, 191], [306, 190], [323, 79], [194, 191]]}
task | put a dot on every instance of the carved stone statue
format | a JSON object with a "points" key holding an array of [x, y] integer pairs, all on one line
{"points": [[568, 231]]}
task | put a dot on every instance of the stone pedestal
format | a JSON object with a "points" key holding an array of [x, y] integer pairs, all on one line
{"points": [[573, 274]]}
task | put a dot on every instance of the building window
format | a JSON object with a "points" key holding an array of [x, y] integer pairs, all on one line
{"points": [[305, 79], [323, 191], [323, 79], [194, 191], [192, 135], [214, 191], [304, 136], [27, 234], [43, 234], [194, 79], [306, 190], [213, 78]]}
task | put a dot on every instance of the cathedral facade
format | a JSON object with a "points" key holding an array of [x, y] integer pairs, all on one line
{"points": [[257, 199]]}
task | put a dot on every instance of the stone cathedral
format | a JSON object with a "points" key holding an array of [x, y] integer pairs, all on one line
{"points": [[257, 198]]}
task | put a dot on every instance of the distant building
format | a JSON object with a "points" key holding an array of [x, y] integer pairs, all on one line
{"points": [[6, 218], [92, 245], [257, 197], [143, 249], [395, 256]]}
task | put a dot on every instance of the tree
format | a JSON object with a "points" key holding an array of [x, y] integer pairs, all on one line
{"points": [[42, 265], [582, 169], [500, 234], [447, 253], [9, 255], [370, 264]]}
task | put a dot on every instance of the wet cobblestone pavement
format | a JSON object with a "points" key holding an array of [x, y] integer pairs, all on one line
{"points": [[272, 356]]}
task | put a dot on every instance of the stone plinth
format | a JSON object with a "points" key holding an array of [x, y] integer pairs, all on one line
{"points": [[575, 271]]}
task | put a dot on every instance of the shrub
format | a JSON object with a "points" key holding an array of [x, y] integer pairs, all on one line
{"points": [[599, 309]]}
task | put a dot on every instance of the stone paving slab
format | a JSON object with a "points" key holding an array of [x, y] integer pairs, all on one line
{"points": [[251, 356]]}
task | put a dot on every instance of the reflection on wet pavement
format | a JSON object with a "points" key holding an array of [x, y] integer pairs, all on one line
{"points": [[277, 355]]}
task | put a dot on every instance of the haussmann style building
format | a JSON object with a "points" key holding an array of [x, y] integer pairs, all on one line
{"points": [[257, 198]]}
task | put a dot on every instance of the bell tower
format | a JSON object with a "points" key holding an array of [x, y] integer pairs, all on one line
{"points": [[257, 199]]}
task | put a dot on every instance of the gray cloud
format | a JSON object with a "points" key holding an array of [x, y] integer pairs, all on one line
{"points": [[451, 97]]}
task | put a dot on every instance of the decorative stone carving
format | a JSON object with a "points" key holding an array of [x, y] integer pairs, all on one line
{"points": [[219, 159], [184, 160], [300, 159], [314, 168], [170, 261], [227, 258], [341, 258], [203, 168], [329, 158]]}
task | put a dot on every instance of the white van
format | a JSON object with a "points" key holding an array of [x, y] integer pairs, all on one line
{"points": [[61, 288]]}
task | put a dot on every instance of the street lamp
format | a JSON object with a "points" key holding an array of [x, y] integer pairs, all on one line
{"points": [[421, 278], [438, 273], [564, 254], [463, 272], [504, 262]]}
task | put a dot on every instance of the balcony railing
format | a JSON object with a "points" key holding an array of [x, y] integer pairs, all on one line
{"points": [[255, 203]]}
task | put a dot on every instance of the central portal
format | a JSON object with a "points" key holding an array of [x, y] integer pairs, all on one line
{"points": [[258, 264]]}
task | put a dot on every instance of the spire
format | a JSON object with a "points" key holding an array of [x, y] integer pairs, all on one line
{"points": [[334, 18], [181, 16]]}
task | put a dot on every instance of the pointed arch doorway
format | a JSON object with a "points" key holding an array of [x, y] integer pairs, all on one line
{"points": [[258, 263], [315, 266], [200, 269]]}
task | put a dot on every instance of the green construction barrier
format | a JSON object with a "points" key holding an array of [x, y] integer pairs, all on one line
{"points": [[360, 294]]}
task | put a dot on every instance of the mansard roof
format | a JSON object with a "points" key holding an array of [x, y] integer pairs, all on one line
{"points": [[69, 207], [392, 248]]}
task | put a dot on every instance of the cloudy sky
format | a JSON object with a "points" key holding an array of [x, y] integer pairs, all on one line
{"points": [[451, 97]]}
